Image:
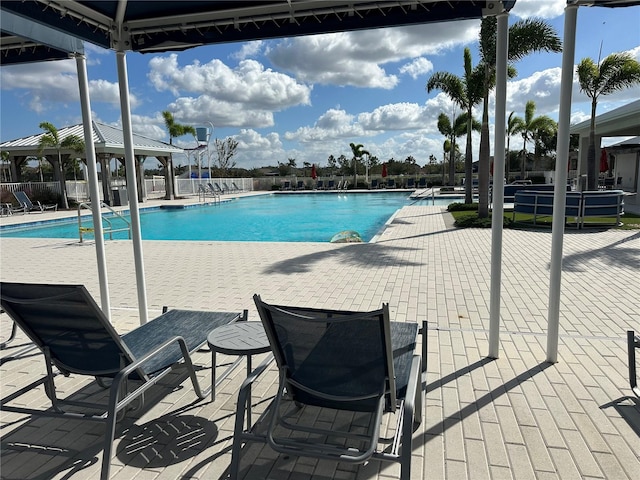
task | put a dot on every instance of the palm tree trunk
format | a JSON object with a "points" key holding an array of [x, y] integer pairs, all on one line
{"points": [[506, 160], [168, 178], [452, 162], [468, 163], [483, 187], [523, 164], [592, 173], [64, 202]]}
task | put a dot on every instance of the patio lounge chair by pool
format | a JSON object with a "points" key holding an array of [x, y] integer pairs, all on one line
{"points": [[320, 185], [215, 188], [76, 338], [355, 362], [24, 200]]}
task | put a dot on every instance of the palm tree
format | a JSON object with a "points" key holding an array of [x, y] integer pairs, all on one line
{"points": [[175, 130], [51, 139], [358, 152], [525, 37], [451, 132], [615, 72], [446, 148], [514, 125], [530, 129], [466, 92]]}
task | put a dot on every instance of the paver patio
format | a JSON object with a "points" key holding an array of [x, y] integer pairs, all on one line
{"points": [[514, 417]]}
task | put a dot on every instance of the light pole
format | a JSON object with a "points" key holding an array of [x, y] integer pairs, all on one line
{"points": [[208, 151]]}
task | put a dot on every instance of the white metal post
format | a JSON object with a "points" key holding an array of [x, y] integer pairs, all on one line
{"points": [[502, 50], [136, 235], [94, 193], [560, 189]]}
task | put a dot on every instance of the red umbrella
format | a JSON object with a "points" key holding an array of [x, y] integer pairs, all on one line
{"points": [[313, 171], [604, 164], [384, 170]]}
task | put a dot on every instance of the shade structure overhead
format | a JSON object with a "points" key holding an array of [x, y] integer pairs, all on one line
{"points": [[17, 44], [147, 26]]}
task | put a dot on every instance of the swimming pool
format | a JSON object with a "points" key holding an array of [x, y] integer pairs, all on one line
{"points": [[264, 218]]}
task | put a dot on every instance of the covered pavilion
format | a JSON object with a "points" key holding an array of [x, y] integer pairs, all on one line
{"points": [[108, 143]]}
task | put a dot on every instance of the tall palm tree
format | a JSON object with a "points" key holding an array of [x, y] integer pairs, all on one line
{"points": [[175, 130], [466, 92], [514, 125], [51, 139], [615, 72], [452, 131], [530, 129], [525, 37]]}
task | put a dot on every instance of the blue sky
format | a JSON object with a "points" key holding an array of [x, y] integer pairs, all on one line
{"points": [[307, 98]]}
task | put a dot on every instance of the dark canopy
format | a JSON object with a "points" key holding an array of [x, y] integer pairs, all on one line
{"points": [[148, 26]]}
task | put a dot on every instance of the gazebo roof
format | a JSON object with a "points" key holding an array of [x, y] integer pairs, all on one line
{"points": [[107, 140]]}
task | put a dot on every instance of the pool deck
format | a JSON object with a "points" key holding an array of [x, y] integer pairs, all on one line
{"points": [[514, 417]]}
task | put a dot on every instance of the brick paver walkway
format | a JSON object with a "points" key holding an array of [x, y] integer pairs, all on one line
{"points": [[515, 417]]}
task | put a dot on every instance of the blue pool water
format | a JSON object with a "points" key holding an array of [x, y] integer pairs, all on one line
{"points": [[264, 218]]}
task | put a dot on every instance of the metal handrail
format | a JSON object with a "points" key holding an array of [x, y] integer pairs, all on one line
{"points": [[110, 230]]}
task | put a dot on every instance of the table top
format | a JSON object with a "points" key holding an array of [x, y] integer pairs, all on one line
{"points": [[239, 338]]}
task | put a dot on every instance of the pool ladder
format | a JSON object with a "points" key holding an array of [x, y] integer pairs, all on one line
{"points": [[110, 230]]}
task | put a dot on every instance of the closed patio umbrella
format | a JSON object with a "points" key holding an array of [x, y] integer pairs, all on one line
{"points": [[313, 171], [384, 170], [604, 164]]}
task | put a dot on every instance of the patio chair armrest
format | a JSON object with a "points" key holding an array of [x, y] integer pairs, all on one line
{"points": [[413, 399], [129, 369]]}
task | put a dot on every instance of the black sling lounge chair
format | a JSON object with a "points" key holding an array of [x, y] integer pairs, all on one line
{"points": [[76, 338], [342, 360]]}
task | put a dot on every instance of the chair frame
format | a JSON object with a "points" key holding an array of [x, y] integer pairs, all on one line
{"points": [[633, 342], [120, 395], [409, 406], [28, 205]]}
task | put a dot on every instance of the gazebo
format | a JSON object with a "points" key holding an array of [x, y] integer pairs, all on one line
{"points": [[108, 143]]}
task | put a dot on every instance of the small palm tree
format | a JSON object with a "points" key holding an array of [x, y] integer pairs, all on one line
{"points": [[452, 131], [51, 139], [358, 152], [175, 130], [616, 72], [466, 92], [530, 129], [514, 125]]}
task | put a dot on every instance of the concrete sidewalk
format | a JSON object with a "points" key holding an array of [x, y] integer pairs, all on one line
{"points": [[514, 417]]}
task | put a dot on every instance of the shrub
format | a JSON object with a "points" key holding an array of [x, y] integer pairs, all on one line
{"points": [[459, 207], [472, 221]]}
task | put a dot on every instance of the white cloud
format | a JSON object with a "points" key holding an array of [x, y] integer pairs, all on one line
{"points": [[46, 85], [417, 67], [205, 109], [397, 116], [249, 49], [539, 8], [332, 124], [249, 84], [356, 58]]}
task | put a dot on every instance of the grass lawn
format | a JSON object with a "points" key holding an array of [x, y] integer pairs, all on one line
{"points": [[467, 218]]}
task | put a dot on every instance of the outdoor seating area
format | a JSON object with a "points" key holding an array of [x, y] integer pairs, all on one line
{"points": [[76, 338], [598, 208], [516, 416]]}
